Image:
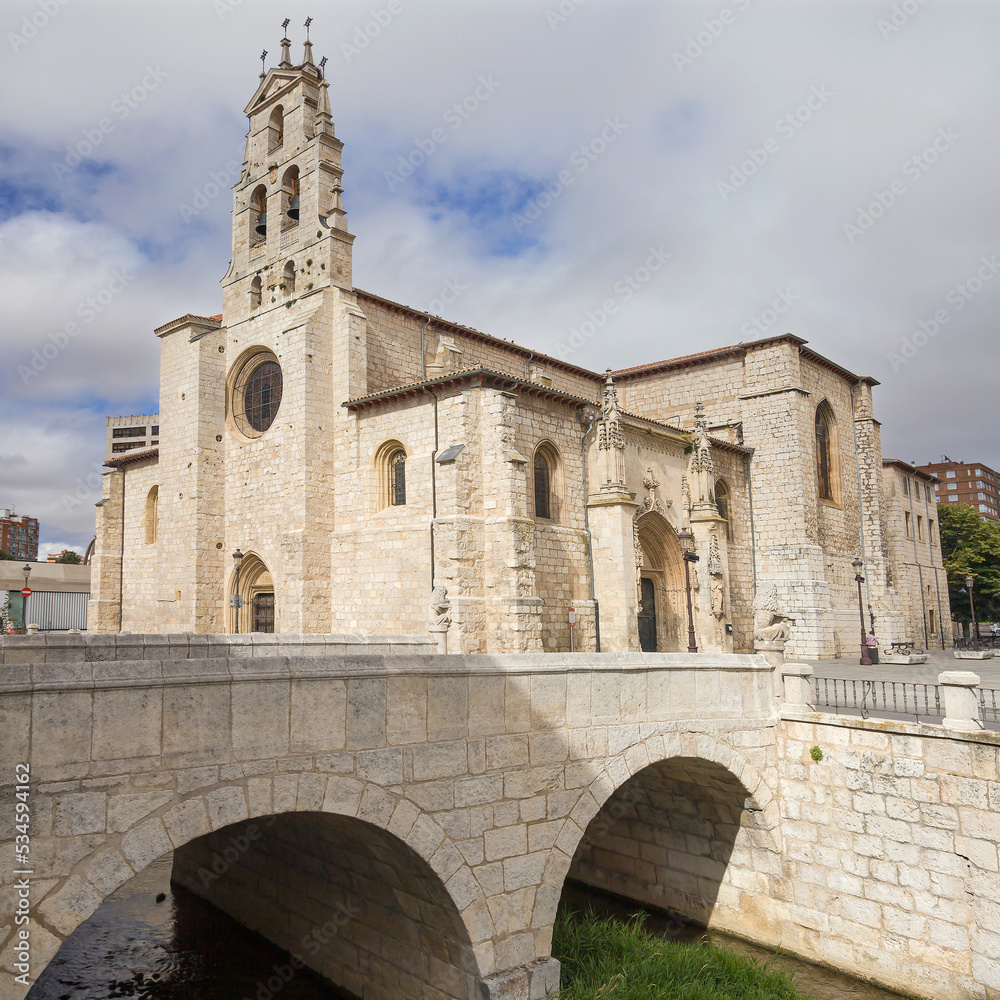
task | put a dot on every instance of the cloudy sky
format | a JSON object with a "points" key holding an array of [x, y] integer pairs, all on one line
{"points": [[834, 160]]}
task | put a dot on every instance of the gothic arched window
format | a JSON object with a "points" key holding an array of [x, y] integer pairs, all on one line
{"points": [[255, 287], [543, 474], [826, 450], [397, 478], [288, 278], [151, 520], [722, 503]]}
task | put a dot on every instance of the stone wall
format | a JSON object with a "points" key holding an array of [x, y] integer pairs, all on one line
{"points": [[890, 851]]}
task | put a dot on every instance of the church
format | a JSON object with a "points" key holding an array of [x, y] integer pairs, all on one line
{"points": [[329, 459]]}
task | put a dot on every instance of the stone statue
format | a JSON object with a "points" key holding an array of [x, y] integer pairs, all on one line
{"points": [[718, 596], [439, 613], [769, 624]]}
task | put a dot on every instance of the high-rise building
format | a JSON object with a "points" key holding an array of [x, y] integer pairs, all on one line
{"points": [[18, 535], [132, 434], [972, 483]]}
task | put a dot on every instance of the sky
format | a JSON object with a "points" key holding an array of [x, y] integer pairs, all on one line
{"points": [[718, 172]]}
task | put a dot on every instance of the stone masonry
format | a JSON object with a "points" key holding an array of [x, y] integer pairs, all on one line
{"points": [[431, 807], [306, 496]]}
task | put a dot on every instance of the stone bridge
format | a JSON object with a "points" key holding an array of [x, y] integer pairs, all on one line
{"points": [[405, 822]]}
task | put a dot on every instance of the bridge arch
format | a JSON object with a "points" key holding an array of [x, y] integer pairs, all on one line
{"points": [[418, 887], [681, 821]]}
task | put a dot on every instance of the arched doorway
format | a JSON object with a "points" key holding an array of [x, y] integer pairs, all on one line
{"points": [[661, 585], [256, 587]]}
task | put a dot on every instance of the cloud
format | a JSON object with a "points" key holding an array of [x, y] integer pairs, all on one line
{"points": [[735, 110]]}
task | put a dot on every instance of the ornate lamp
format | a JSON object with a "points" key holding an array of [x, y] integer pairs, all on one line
{"points": [[866, 660], [236, 600], [970, 582]]}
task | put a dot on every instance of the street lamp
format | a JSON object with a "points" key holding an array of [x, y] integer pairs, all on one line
{"points": [[866, 660], [236, 600], [26, 569], [969, 582], [686, 539]]}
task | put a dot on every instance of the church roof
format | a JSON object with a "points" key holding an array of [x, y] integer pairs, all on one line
{"points": [[130, 457], [186, 319], [734, 350], [911, 469], [471, 332], [477, 376]]}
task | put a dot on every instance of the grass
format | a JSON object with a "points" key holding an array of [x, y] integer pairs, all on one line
{"points": [[605, 957]]}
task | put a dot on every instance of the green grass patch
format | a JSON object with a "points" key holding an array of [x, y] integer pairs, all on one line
{"points": [[605, 957]]}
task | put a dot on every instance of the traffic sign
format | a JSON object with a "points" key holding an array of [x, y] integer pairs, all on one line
{"points": [[26, 592]]}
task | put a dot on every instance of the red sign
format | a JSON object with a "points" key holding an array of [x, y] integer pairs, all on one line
{"points": [[26, 592]]}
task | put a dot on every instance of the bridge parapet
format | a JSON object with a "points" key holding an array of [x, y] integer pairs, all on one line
{"points": [[98, 648]]}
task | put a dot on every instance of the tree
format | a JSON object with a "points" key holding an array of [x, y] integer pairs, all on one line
{"points": [[970, 546], [67, 556], [5, 555]]}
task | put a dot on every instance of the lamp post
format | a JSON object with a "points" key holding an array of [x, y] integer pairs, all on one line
{"points": [[687, 544], [24, 599], [866, 660], [236, 600], [969, 583]]}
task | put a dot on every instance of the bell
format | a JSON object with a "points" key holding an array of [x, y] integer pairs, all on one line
{"points": [[293, 208], [261, 229]]}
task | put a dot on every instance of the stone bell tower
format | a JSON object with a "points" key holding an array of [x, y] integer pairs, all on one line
{"points": [[287, 205]]}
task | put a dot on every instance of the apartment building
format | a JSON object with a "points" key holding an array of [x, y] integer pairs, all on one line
{"points": [[972, 483]]}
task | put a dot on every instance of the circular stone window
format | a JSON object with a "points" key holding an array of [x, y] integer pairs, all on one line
{"points": [[257, 395]]}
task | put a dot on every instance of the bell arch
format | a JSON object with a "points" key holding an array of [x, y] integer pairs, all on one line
{"points": [[659, 563]]}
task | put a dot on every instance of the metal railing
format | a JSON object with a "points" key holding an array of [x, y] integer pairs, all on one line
{"points": [[907, 698], [988, 704]]}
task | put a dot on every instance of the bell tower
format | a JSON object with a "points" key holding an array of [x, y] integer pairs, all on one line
{"points": [[287, 205]]}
